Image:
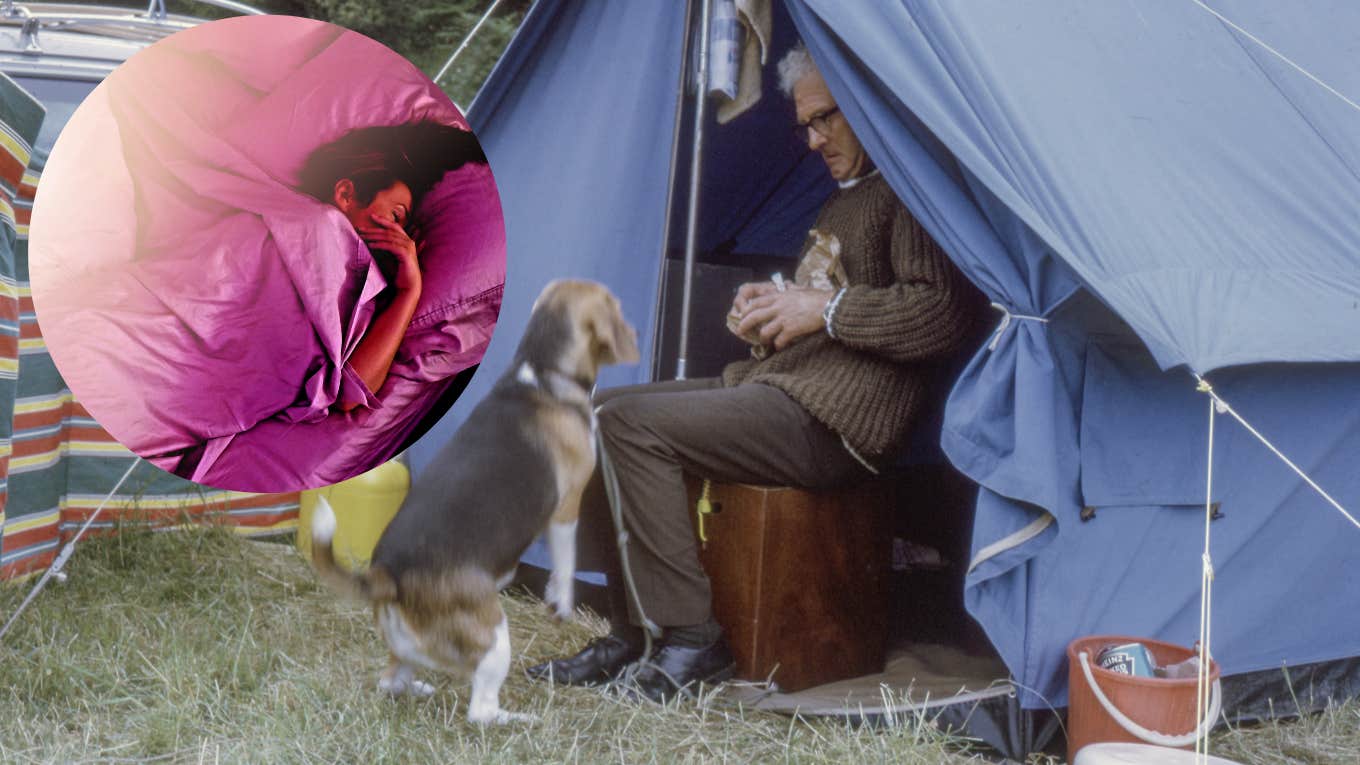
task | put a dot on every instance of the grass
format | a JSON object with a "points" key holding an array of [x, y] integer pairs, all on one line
{"points": [[203, 647]]}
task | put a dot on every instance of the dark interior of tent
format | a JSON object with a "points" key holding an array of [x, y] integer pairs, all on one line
{"points": [[760, 192]]}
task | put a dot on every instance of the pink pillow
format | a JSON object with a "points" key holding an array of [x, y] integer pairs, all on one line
{"points": [[348, 82], [461, 232]]}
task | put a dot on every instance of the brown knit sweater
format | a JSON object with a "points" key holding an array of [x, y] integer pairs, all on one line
{"points": [[906, 308]]}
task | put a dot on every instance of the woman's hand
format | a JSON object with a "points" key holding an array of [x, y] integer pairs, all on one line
{"points": [[372, 358], [387, 235]]}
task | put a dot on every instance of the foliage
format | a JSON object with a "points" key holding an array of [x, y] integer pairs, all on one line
{"points": [[425, 33]]}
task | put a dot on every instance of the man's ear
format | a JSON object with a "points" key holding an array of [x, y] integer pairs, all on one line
{"points": [[343, 194]]}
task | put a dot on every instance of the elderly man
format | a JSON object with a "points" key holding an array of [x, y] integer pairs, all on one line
{"points": [[849, 369]]}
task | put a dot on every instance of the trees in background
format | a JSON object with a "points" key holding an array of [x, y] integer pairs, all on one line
{"points": [[424, 31]]}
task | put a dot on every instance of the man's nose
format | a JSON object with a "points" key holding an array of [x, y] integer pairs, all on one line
{"points": [[815, 140]]}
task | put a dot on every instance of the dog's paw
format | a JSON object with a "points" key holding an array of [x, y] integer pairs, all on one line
{"points": [[497, 716], [559, 598], [561, 613], [397, 687]]}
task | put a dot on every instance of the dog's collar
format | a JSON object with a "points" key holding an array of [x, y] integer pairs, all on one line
{"points": [[555, 382]]}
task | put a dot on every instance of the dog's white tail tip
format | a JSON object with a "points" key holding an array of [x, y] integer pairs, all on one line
{"points": [[323, 522]]}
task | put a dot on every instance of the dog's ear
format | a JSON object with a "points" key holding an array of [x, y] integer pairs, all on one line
{"points": [[615, 339]]}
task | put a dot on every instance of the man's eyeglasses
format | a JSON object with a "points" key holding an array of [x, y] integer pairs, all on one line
{"points": [[820, 124]]}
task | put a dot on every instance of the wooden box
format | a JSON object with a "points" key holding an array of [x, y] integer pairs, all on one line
{"points": [[800, 579]]}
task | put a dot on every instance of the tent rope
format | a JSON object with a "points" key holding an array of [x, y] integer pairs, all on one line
{"points": [[1225, 408], [1218, 406], [1278, 55], [59, 562], [1206, 592], [650, 629], [1006, 317], [473, 33]]}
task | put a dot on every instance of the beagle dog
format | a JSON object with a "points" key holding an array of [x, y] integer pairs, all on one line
{"points": [[516, 468]]}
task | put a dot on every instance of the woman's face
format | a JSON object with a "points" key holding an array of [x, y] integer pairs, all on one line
{"points": [[392, 203]]}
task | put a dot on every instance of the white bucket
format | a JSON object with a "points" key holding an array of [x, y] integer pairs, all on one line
{"points": [[1141, 754]]}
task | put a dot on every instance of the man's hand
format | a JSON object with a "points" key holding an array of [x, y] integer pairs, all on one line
{"points": [[748, 292], [782, 317], [387, 235]]}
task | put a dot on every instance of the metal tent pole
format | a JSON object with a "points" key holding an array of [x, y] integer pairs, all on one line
{"points": [[471, 34], [658, 313], [695, 166]]}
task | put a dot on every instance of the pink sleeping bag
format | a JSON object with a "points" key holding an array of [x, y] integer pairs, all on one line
{"points": [[200, 307]]}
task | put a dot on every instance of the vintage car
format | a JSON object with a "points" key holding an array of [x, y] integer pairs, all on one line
{"points": [[60, 52]]}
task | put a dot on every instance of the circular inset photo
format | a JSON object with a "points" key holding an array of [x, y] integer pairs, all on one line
{"points": [[266, 253]]}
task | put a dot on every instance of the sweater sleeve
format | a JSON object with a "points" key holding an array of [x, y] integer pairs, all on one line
{"points": [[924, 314]]}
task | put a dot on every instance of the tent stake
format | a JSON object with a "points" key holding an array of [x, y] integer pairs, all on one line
{"points": [[59, 563]]}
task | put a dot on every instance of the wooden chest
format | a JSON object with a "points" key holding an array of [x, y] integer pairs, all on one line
{"points": [[800, 579]]}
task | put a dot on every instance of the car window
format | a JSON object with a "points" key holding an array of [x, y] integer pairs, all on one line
{"points": [[61, 97]]}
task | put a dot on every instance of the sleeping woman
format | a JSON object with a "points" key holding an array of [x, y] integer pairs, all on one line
{"points": [[376, 177]]}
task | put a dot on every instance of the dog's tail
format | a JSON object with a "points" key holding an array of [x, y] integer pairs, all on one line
{"points": [[375, 584]]}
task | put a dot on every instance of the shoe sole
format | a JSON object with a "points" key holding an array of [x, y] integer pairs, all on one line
{"points": [[688, 690], [691, 689], [722, 675], [551, 678]]}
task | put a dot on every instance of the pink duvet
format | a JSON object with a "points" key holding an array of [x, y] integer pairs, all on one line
{"points": [[203, 310]]}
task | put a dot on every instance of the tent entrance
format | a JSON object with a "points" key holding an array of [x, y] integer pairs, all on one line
{"points": [[758, 192]]}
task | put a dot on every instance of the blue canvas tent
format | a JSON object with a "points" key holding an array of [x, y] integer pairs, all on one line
{"points": [[1151, 191]]}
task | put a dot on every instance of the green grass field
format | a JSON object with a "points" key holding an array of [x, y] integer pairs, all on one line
{"points": [[204, 647]]}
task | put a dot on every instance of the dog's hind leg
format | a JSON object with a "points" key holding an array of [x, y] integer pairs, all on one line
{"points": [[398, 679], [485, 706]]}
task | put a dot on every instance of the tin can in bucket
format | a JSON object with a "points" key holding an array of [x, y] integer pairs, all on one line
{"points": [[1165, 705], [1127, 659]]}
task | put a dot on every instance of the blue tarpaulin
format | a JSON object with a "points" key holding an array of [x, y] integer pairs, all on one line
{"points": [[1147, 190]]}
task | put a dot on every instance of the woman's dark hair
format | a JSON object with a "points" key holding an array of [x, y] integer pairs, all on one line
{"points": [[374, 158]]}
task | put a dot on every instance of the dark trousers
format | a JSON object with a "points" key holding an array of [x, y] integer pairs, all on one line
{"points": [[657, 432]]}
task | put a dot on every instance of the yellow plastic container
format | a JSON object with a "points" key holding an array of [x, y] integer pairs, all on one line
{"points": [[363, 506]]}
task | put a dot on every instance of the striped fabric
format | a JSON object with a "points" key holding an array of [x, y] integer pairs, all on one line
{"points": [[56, 463], [20, 118]]}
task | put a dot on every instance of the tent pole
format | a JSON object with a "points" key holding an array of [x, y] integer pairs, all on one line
{"points": [[695, 166], [670, 186]]}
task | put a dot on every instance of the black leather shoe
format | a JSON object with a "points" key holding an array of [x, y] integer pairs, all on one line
{"points": [[599, 662], [680, 669]]}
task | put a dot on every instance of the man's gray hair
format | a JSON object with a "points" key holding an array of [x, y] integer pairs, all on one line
{"points": [[795, 65]]}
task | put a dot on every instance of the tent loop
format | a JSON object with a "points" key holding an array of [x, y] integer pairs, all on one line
{"points": [[59, 562], [1006, 317], [1224, 407]]}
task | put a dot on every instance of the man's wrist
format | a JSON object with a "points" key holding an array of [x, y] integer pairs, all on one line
{"points": [[829, 312]]}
